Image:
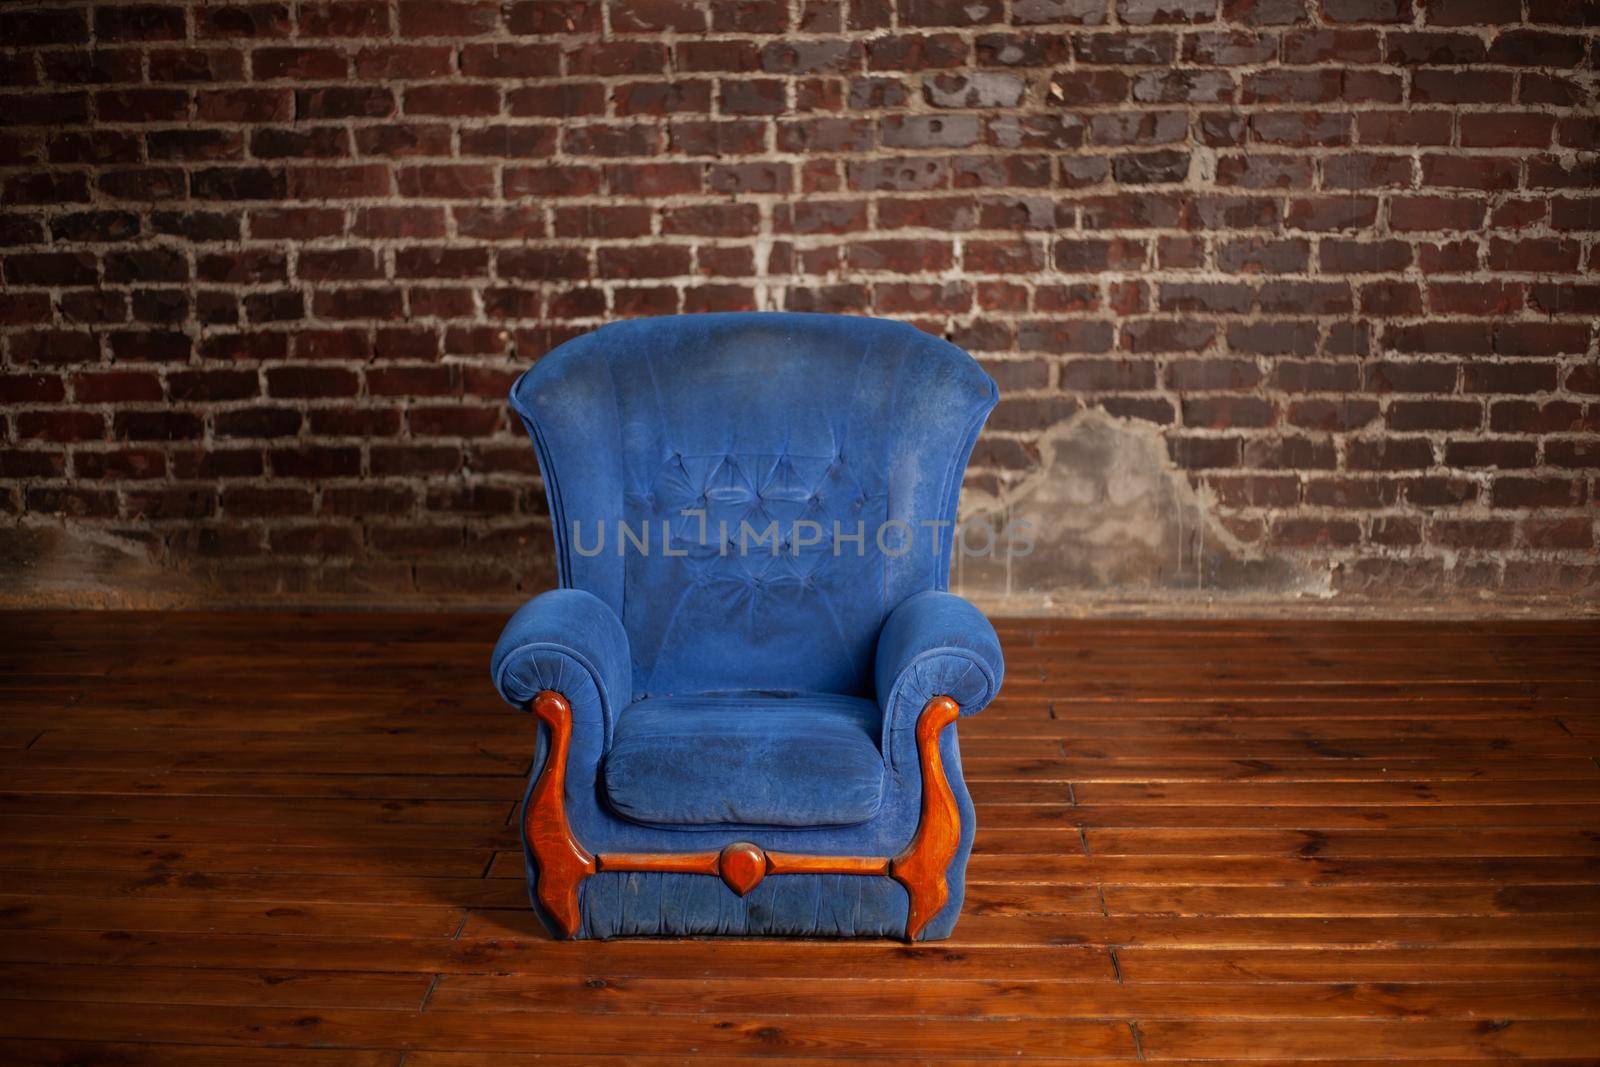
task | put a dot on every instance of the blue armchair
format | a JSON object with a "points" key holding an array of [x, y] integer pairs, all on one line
{"points": [[745, 684]]}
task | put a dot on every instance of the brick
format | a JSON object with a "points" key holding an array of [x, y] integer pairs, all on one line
{"points": [[113, 387], [452, 100], [51, 268], [1351, 493], [60, 426], [1273, 338], [1183, 86], [1145, 168], [446, 182], [1536, 48], [314, 143], [248, 20], [1391, 299], [1228, 412], [344, 18], [1308, 46], [1456, 338], [1300, 128], [238, 183], [934, 131], [71, 502], [45, 26], [120, 464], [1346, 11], [341, 102], [157, 426], [310, 381], [210, 385], [1236, 47], [1220, 297], [1475, 298], [1385, 376], [1433, 49], [447, 18], [655, 179], [195, 144], [1540, 338], [1536, 417], [1534, 255], [1365, 171], [1461, 86], [95, 226], [1490, 453], [1558, 534], [1520, 492], [261, 502], [304, 64], [105, 147], [1156, 335], [416, 61], [1506, 130], [662, 98], [1413, 415], [1363, 257], [757, 16], [1575, 214], [1448, 257], [1350, 240], [1264, 171], [1551, 172], [198, 65], [1425, 213], [54, 346], [32, 388], [1489, 173], [1582, 453], [1415, 127], [45, 109], [552, 17], [142, 22]]}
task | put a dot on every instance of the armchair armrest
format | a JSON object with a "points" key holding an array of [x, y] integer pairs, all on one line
{"points": [[934, 644], [570, 642]]}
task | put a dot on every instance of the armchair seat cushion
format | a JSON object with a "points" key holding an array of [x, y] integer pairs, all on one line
{"points": [[747, 759]]}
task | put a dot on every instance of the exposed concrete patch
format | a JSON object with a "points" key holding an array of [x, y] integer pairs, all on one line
{"points": [[65, 565], [1110, 514]]}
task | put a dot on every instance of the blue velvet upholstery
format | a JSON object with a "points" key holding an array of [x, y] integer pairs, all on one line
{"points": [[752, 670], [747, 760]]}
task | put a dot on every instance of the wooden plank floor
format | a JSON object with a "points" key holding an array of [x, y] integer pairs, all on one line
{"points": [[289, 839]]}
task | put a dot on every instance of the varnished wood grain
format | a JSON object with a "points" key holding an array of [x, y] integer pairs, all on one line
{"points": [[563, 862], [742, 865], [794, 863], [921, 866], [254, 839], [670, 862]]}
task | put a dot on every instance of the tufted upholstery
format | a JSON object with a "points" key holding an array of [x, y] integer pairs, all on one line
{"points": [[753, 418], [753, 518]]}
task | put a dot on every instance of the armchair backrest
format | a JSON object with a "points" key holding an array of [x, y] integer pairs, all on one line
{"points": [[699, 467]]}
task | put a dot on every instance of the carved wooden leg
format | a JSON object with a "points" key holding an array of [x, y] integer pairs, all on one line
{"points": [[921, 867], [563, 863]]}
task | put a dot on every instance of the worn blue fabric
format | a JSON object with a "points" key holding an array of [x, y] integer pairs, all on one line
{"points": [[933, 644], [567, 641], [753, 520], [753, 759]]}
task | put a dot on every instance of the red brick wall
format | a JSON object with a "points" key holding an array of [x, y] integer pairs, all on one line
{"points": [[270, 267]]}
